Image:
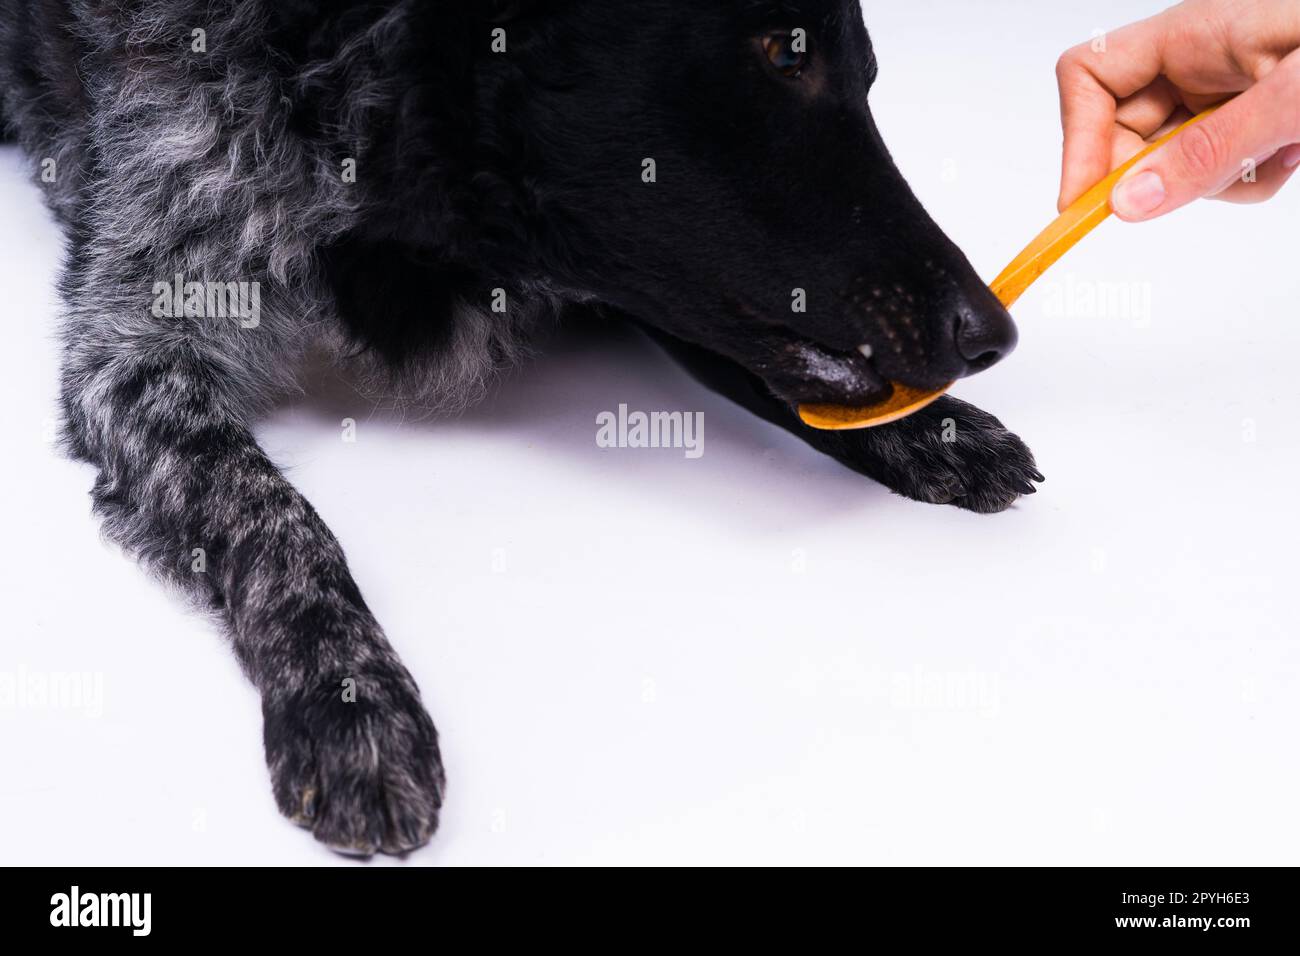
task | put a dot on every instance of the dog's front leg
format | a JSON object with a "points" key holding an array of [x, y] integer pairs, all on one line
{"points": [[159, 408], [947, 453]]}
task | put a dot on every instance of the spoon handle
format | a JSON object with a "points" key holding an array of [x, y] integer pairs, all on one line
{"points": [[1083, 216]]}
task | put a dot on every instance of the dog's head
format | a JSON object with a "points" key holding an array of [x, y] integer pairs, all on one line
{"points": [[714, 169]]}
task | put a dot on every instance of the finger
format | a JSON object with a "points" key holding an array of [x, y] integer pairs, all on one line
{"points": [[1092, 78], [1248, 174], [1265, 181], [1206, 156], [1088, 118], [1128, 143], [1124, 147], [1147, 110]]}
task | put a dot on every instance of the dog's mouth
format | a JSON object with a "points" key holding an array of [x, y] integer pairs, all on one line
{"points": [[922, 342], [802, 371]]}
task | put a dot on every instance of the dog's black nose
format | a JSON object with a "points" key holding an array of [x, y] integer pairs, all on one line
{"points": [[985, 333]]}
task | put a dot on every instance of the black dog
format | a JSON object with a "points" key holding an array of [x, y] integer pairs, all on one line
{"points": [[416, 183]]}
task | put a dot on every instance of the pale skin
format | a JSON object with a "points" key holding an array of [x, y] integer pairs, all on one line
{"points": [[1125, 89]]}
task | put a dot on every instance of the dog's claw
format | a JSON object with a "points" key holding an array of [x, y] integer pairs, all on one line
{"points": [[309, 805]]}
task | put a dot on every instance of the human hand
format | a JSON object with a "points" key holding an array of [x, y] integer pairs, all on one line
{"points": [[1132, 86]]}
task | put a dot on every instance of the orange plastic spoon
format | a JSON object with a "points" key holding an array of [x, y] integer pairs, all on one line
{"points": [[1086, 214]]}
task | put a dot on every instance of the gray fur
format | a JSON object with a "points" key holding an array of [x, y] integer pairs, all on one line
{"points": [[205, 179]]}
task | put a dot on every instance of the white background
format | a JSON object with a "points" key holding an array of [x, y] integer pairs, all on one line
{"points": [[1105, 674]]}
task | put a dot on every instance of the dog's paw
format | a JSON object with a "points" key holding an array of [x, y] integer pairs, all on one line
{"points": [[986, 476], [948, 453], [356, 761]]}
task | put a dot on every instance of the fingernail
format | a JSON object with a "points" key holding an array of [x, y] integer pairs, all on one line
{"points": [[1291, 157], [1138, 196]]}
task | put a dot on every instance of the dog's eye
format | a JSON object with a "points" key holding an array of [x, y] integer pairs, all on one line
{"points": [[787, 52]]}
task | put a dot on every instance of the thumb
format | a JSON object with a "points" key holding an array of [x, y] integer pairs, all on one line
{"points": [[1206, 158]]}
